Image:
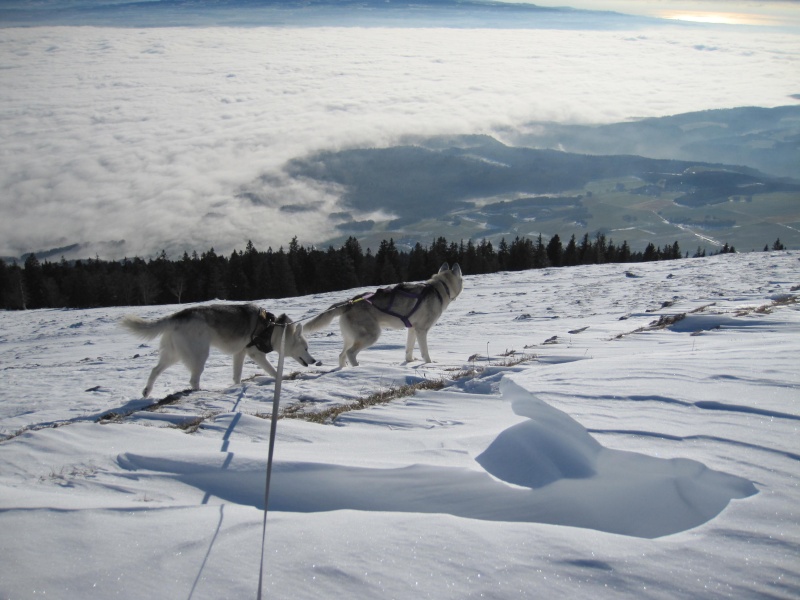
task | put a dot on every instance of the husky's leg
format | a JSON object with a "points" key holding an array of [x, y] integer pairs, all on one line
{"points": [[410, 341], [157, 370], [238, 363], [352, 354], [197, 369], [261, 360], [422, 338], [348, 342], [357, 336], [365, 341], [343, 358], [166, 358], [193, 351]]}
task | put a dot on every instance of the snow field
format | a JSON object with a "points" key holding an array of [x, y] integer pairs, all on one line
{"points": [[619, 461]]}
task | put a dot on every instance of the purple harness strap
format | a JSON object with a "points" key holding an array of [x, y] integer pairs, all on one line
{"points": [[398, 290]]}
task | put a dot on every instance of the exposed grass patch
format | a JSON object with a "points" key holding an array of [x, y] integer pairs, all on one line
{"points": [[65, 475], [665, 321], [384, 396], [191, 425], [380, 397], [38, 427], [766, 309], [514, 358], [117, 417], [286, 377], [173, 398]]}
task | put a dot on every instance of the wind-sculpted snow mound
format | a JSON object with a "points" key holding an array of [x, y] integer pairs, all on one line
{"points": [[586, 485], [560, 475], [550, 446]]}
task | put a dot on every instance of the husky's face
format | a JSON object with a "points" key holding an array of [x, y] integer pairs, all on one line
{"points": [[297, 346]]}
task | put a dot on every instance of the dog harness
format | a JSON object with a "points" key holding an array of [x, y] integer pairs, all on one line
{"points": [[399, 290], [263, 341]]}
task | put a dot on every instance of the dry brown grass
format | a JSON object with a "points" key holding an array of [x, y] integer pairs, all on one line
{"points": [[384, 396], [665, 321], [766, 309]]}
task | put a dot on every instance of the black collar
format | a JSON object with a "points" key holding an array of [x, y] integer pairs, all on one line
{"points": [[447, 290]]}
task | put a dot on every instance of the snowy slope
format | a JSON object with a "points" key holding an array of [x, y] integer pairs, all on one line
{"points": [[624, 458]]}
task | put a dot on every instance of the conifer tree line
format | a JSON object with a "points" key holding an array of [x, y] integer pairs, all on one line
{"points": [[252, 274]]}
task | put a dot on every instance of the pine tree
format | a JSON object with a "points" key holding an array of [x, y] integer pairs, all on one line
{"points": [[469, 258], [33, 281], [585, 251], [570, 258], [283, 282], [353, 250], [387, 264], [555, 251], [211, 272], [624, 254], [540, 260], [418, 263], [236, 281], [12, 296], [502, 254]]}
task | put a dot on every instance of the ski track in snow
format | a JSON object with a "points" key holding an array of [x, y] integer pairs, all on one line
{"points": [[619, 456]]}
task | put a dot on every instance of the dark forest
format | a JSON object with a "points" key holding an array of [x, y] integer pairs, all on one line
{"points": [[251, 274]]}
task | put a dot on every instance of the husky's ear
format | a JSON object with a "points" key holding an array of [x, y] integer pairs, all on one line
{"points": [[456, 270], [299, 329], [444, 267]]}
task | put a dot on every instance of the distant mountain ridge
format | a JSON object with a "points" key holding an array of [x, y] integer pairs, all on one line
{"points": [[417, 181], [767, 139], [476, 186]]}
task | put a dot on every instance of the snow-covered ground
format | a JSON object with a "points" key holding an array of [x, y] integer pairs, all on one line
{"points": [[619, 460]]}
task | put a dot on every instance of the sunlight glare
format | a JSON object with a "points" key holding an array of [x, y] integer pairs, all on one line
{"points": [[721, 18]]}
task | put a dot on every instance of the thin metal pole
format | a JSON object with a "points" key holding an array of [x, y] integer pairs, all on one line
{"points": [[276, 399]]}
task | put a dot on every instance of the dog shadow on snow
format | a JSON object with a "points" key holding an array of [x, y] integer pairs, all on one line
{"points": [[546, 469]]}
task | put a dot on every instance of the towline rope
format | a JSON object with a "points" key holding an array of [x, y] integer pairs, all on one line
{"points": [[276, 400]]}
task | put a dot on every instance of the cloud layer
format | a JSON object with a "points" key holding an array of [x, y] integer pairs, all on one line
{"points": [[159, 137]]}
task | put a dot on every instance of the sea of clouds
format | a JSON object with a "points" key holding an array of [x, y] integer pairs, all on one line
{"points": [[155, 138]]}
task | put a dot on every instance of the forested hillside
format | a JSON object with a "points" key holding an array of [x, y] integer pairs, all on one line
{"points": [[253, 274]]}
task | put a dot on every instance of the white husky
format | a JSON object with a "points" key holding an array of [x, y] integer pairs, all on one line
{"points": [[416, 306], [237, 329]]}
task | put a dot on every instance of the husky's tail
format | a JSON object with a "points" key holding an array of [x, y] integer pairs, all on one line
{"points": [[323, 319], [145, 329]]}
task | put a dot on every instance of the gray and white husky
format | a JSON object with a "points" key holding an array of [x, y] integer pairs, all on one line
{"points": [[237, 329], [416, 306]]}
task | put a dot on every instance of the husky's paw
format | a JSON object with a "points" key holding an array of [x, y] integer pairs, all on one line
{"points": [[422, 361]]}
